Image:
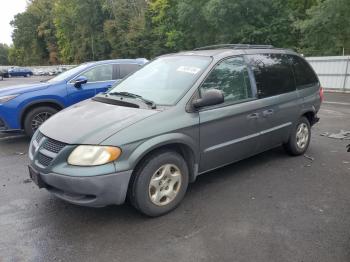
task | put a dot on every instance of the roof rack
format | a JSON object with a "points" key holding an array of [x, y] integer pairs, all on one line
{"points": [[234, 46]]}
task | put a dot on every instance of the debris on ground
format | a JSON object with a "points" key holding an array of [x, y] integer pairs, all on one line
{"points": [[20, 153], [26, 181], [342, 134], [309, 157]]}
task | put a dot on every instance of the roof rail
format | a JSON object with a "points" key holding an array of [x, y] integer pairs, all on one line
{"points": [[234, 46]]}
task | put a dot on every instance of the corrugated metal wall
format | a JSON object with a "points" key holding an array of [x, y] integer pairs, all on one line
{"points": [[333, 71]]}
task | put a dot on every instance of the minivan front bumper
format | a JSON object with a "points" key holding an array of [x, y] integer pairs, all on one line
{"points": [[92, 191]]}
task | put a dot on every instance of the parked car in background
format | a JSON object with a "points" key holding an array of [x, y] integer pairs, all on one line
{"points": [[3, 72], [26, 107], [19, 71], [179, 116]]}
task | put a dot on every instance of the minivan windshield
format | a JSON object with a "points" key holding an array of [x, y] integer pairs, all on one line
{"points": [[68, 73], [165, 80]]}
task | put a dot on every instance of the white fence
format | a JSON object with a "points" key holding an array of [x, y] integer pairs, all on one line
{"points": [[333, 71]]}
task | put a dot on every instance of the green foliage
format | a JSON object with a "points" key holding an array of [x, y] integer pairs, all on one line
{"points": [[74, 31], [79, 30], [4, 54], [326, 29]]}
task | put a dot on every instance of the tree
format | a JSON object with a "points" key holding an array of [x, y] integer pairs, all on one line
{"points": [[79, 30], [125, 28], [75, 31], [326, 29], [4, 53]]}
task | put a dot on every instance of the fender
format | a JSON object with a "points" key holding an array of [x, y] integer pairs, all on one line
{"points": [[159, 141], [308, 109]]}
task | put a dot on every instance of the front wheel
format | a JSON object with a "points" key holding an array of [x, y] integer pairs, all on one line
{"points": [[36, 117], [300, 138], [159, 183]]}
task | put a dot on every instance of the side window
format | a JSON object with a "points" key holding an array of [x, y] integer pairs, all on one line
{"points": [[304, 75], [231, 77], [273, 74], [126, 69], [99, 73]]}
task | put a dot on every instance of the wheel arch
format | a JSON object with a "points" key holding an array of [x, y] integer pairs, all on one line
{"points": [[179, 143], [311, 115], [51, 103]]}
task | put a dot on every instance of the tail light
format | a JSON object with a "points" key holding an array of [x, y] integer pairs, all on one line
{"points": [[321, 94]]}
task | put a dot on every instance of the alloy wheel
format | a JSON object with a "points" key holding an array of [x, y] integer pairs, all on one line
{"points": [[302, 135], [39, 119], [165, 184]]}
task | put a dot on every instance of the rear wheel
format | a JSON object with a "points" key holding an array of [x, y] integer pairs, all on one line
{"points": [[36, 117], [300, 138], [27, 75], [159, 183]]}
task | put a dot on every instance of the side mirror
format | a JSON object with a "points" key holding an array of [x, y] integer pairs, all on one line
{"points": [[209, 98], [79, 81]]}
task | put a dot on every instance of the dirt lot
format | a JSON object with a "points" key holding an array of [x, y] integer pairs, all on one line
{"points": [[271, 207]]}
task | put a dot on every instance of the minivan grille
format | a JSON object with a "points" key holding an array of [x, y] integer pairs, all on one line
{"points": [[48, 149], [44, 160], [38, 137], [53, 145]]}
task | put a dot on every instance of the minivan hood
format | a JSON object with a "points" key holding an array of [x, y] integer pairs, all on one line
{"points": [[20, 89], [91, 122]]}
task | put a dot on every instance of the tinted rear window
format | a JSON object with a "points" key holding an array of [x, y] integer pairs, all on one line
{"points": [[127, 69], [304, 75], [273, 74]]}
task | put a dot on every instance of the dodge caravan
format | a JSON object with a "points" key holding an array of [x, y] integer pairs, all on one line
{"points": [[178, 117]]}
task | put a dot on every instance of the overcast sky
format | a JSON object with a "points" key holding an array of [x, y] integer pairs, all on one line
{"points": [[8, 9]]}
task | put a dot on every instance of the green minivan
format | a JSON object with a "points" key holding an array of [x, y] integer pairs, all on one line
{"points": [[179, 116]]}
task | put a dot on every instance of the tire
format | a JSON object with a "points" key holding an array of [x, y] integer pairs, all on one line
{"points": [[299, 139], [37, 114], [27, 75], [154, 198]]}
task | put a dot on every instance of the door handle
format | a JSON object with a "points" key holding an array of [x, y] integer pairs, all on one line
{"points": [[253, 116], [267, 113]]}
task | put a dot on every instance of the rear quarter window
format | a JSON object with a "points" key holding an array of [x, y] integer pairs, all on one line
{"points": [[303, 73], [273, 74]]}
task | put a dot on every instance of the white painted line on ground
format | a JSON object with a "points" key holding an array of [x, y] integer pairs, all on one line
{"points": [[337, 103], [11, 137]]}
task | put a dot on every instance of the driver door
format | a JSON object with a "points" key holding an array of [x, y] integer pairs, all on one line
{"points": [[100, 78]]}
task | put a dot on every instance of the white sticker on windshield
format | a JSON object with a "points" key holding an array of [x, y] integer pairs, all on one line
{"points": [[189, 69]]}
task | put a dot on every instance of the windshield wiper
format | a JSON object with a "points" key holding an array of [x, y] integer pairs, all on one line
{"points": [[131, 95]]}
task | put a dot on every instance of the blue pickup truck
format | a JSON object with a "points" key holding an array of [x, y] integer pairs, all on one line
{"points": [[26, 107]]}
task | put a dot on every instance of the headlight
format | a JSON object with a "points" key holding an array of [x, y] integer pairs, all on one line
{"points": [[4, 99], [93, 155]]}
